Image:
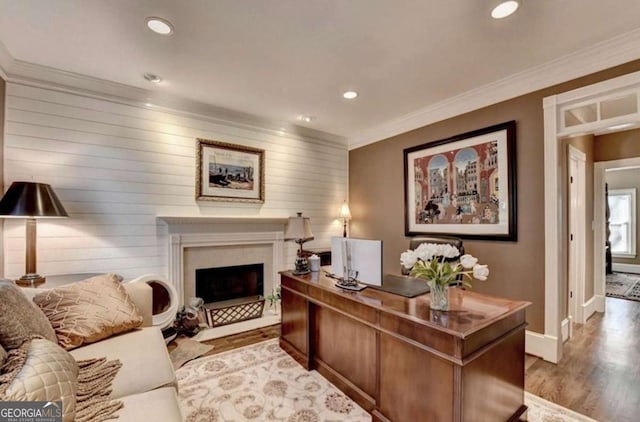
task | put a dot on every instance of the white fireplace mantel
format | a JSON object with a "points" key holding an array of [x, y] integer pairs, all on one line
{"points": [[179, 242], [204, 219]]}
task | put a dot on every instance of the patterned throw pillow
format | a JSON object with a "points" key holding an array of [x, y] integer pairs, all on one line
{"points": [[89, 310], [41, 371], [20, 318]]}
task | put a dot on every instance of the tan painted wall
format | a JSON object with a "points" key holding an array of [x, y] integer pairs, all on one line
{"points": [[586, 145], [626, 179], [616, 146], [376, 193]]}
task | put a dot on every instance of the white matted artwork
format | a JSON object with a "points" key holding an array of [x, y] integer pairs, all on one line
{"points": [[365, 257], [228, 172]]}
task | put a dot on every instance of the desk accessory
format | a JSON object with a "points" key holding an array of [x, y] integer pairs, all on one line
{"points": [[299, 230]]}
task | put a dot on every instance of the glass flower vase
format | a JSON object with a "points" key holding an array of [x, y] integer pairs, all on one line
{"points": [[439, 296]]}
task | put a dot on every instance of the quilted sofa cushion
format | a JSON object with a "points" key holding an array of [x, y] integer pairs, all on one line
{"points": [[89, 310], [3, 355], [20, 318], [49, 373]]}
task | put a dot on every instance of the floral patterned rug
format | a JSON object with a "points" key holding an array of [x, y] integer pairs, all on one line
{"points": [[623, 286], [262, 383]]}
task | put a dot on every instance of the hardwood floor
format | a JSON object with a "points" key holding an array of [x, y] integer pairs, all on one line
{"points": [[599, 374], [239, 340]]}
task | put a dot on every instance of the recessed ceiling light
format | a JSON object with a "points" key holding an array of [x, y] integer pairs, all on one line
{"points": [[152, 78], [504, 9], [159, 25], [350, 95], [306, 118]]}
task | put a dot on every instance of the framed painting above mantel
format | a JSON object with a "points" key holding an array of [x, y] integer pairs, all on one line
{"points": [[228, 172], [464, 185]]}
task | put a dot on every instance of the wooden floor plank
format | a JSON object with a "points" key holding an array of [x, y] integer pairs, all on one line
{"points": [[599, 374]]}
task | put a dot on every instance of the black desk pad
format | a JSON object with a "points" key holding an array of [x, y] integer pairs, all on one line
{"points": [[403, 286]]}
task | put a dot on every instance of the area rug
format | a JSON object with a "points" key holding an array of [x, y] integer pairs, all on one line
{"points": [[262, 383], [187, 350], [541, 410], [623, 285]]}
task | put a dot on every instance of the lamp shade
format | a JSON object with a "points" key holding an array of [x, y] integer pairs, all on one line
{"points": [[298, 228], [31, 200], [344, 211]]}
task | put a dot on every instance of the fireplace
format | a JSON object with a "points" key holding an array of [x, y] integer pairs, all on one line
{"points": [[231, 294], [231, 282]]}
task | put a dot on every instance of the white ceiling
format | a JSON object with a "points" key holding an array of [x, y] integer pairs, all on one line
{"points": [[277, 59]]}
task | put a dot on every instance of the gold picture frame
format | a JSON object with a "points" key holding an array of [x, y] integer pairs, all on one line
{"points": [[229, 172]]}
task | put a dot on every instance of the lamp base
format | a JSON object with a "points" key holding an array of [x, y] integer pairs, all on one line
{"points": [[302, 266], [30, 280]]}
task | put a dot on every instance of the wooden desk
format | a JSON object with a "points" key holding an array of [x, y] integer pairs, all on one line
{"points": [[403, 362]]}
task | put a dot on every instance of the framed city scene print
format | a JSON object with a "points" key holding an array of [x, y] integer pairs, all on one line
{"points": [[228, 172], [463, 186]]}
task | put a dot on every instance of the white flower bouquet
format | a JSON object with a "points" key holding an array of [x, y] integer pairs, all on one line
{"points": [[429, 261]]}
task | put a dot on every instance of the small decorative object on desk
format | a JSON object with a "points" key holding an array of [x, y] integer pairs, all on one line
{"points": [[430, 262], [314, 263]]}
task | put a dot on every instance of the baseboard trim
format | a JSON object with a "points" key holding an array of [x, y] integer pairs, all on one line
{"points": [[593, 305], [626, 268], [543, 346], [564, 329]]}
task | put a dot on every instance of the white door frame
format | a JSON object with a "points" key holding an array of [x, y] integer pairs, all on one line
{"points": [[599, 221], [549, 345], [577, 227]]}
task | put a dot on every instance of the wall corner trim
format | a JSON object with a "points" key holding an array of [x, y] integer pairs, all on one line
{"points": [[591, 306]]}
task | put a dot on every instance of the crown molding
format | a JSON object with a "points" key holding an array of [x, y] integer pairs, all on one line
{"points": [[615, 51], [31, 74]]}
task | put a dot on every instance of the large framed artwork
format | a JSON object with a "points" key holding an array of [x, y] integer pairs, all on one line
{"points": [[463, 186], [228, 172]]}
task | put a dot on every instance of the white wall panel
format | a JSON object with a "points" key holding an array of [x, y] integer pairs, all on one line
{"points": [[116, 167]]}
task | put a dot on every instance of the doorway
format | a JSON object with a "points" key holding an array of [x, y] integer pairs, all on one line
{"points": [[599, 108]]}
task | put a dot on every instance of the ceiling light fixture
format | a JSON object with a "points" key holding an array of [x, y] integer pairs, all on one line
{"points": [[159, 25], [350, 95], [504, 9], [152, 78]]}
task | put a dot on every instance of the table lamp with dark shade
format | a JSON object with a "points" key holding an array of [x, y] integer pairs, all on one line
{"points": [[299, 230], [31, 201]]}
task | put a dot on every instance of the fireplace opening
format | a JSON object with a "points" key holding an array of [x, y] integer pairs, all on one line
{"points": [[228, 283]]}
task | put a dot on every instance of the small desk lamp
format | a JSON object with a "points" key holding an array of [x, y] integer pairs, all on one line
{"points": [[299, 230], [31, 201], [345, 214]]}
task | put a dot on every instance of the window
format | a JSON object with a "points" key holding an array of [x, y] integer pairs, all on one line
{"points": [[622, 222]]}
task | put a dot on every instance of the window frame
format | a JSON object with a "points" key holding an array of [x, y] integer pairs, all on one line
{"points": [[632, 230]]}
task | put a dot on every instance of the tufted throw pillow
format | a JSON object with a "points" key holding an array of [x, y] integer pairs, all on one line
{"points": [[20, 318], [89, 310], [3, 355], [41, 371]]}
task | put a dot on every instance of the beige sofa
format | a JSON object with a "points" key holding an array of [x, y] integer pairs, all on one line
{"points": [[146, 382]]}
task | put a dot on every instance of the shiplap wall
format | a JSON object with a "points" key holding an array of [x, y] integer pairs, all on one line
{"points": [[117, 166]]}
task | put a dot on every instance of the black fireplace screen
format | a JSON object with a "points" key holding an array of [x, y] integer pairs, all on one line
{"points": [[225, 283]]}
